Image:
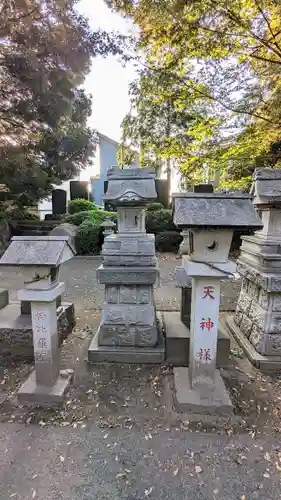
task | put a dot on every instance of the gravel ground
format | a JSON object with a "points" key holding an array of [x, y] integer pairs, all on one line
{"points": [[63, 464]]}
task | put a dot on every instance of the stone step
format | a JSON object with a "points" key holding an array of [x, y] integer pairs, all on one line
{"points": [[178, 339]]}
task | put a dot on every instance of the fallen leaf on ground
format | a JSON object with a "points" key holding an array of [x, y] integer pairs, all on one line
{"points": [[33, 493], [62, 458], [176, 471], [198, 469], [105, 436], [267, 456], [148, 492], [121, 475], [266, 475]]}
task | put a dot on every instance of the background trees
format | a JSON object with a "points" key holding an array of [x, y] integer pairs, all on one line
{"points": [[223, 58], [45, 53]]}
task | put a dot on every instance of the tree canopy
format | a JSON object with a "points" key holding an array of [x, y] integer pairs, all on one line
{"points": [[224, 57], [46, 49]]}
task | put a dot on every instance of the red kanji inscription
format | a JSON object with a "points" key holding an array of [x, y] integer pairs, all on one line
{"points": [[40, 315], [208, 292], [204, 355], [208, 324]]}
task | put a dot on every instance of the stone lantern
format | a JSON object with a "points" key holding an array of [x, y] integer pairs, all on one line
{"points": [[39, 258], [256, 324], [128, 329], [211, 219], [108, 227]]}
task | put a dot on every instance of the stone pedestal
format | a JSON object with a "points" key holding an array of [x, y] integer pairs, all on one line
{"points": [[257, 320], [128, 329]]}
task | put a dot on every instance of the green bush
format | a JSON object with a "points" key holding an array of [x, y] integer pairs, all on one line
{"points": [[92, 215], [168, 241], [80, 217], [81, 205], [153, 207], [88, 238], [159, 221]]}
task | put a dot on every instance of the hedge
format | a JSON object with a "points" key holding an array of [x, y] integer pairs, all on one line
{"points": [[92, 215], [153, 207], [168, 241], [88, 238], [81, 205], [159, 221]]}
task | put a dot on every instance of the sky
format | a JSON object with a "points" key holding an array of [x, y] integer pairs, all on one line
{"points": [[108, 81]]}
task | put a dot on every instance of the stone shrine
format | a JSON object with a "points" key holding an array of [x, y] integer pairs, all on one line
{"points": [[257, 321], [39, 258], [128, 329], [211, 219]]}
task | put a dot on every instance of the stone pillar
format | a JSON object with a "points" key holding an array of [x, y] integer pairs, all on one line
{"points": [[45, 386], [256, 324], [128, 329], [204, 332]]}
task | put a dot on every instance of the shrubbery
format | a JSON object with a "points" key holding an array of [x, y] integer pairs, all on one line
{"points": [[92, 215], [159, 221], [81, 205], [153, 207], [168, 241], [88, 238]]}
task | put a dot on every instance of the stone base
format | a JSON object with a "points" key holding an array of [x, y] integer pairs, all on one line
{"points": [[178, 339], [16, 338], [99, 353], [260, 361], [32, 394], [189, 400]]}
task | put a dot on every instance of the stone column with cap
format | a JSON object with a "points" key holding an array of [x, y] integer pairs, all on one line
{"points": [[129, 329], [39, 259], [211, 219]]}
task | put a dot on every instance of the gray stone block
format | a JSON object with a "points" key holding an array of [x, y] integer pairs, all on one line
{"points": [[4, 298], [270, 363], [178, 341], [211, 402], [32, 394], [16, 338], [98, 353]]}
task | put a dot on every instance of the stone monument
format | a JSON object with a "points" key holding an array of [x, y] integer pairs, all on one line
{"points": [[257, 321], [40, 258], [129, 330], [211, 219]]}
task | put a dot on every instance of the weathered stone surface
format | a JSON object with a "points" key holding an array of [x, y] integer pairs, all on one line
{"points": [[130, 186], [194, 400], [129, 275], [215, 209], [244, 302], [16, 338], [66, 229], [238, 317], [40, 251], [253, 291], [264, 299], [246, 325]]}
